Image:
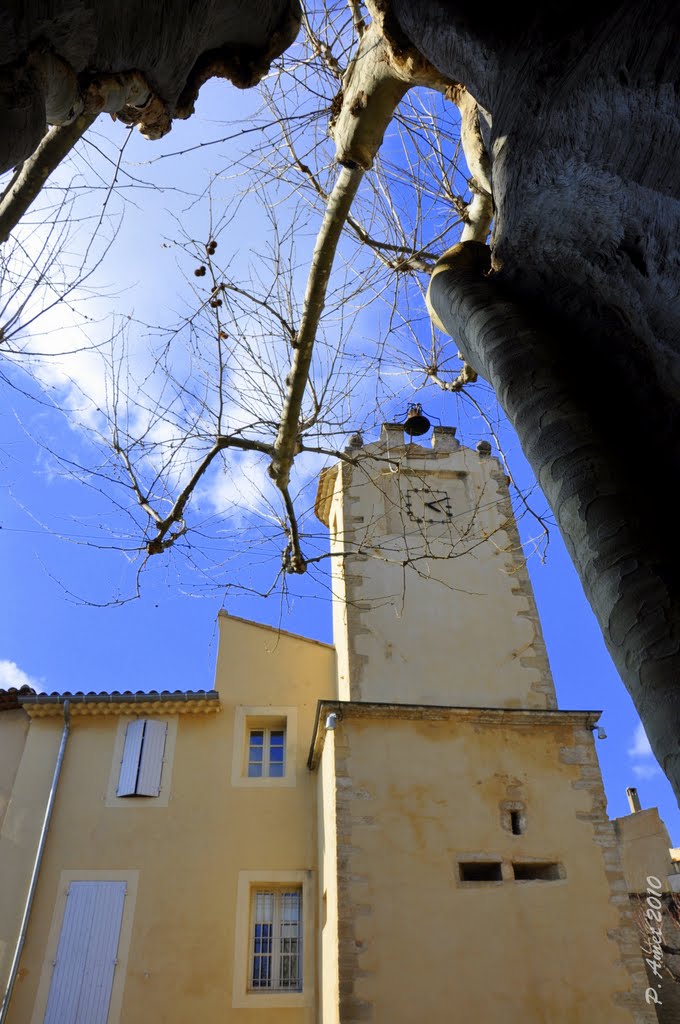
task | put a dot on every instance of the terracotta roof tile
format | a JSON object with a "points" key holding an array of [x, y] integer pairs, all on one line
{"points": [[113, 697], [10, 699]]}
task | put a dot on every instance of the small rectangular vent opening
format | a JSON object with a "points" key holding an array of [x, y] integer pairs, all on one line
{"points": [[480, 871], [537, 872], [516, 823]]}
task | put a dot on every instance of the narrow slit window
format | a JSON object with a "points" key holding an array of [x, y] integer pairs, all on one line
{"points": [[516, 823], [480, 871], [266, 753], [546, 872]]}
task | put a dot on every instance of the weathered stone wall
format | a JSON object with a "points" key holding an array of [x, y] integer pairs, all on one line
{"points": [[420, 791]]}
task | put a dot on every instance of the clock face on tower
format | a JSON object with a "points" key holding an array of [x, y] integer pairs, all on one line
{"points": [[425, 505]]}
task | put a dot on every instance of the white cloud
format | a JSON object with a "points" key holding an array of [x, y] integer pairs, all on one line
{"points": [[240, 484], [640, 746], [640, 752], [646, 771], [12, 675]]}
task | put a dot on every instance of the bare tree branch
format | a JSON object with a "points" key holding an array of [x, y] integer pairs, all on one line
{"points": [[339, 203]]}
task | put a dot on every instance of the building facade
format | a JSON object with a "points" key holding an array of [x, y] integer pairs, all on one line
{"points": [[400, 827]]}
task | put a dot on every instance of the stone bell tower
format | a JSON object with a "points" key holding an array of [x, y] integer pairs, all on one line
{"points": [[433, 603], [467, 866]]}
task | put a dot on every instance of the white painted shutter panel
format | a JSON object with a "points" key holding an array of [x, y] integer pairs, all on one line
{"points": [[80, 990], [151, 766], [129, 766]]}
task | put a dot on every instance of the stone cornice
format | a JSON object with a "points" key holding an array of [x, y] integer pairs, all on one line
{"points": [[116, 704], [521, 718]]}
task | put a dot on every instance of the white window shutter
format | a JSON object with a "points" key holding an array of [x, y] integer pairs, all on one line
{"points": [[129, 766], [151, 764], [82, 979]]}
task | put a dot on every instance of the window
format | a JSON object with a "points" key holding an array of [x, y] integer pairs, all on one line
{"points": [[87, 954], [276, 940], [480, 871], [514, 816], [273, 964], [267, 753], [141, 765], [534, 872], [265, 748]]}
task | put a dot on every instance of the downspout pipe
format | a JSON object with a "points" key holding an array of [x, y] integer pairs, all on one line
{"points": [[14, 969]]}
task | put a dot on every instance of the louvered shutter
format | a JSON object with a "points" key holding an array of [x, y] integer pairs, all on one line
{"points": [[151, 763], [82, 978], [129, 766]]}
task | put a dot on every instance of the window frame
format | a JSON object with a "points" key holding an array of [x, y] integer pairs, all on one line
{"points": [[277, 939], [244, 996], [146, 762], [85, 963], [112, 798], [131, 880], [264, 717], [266, 763]]}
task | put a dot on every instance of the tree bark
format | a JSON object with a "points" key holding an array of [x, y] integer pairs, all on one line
{"points": [[337, 210], [576, 322], [374, 84], [47, 50], [594, 493]]}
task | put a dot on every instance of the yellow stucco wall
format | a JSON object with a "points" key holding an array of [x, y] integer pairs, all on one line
{"points": [[414, 797], [13, 732], [187, 858]]}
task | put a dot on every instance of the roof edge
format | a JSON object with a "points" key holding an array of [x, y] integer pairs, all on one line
{"points": [[47, 705], [223, 613], [437, 712], [10, 698]]}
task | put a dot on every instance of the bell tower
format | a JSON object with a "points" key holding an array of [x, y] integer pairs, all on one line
{"points": [[432, 599], [457, 806]]}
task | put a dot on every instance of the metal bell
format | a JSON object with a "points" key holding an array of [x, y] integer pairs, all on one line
{"points": [[416, 424]]}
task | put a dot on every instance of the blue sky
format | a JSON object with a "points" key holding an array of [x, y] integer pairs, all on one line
{"points": [[63, 568]]}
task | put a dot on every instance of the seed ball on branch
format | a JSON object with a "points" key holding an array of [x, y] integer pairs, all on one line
{"points": [[199, 271]]}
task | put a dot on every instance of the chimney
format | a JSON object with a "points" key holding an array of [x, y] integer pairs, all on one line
{"points": [[633, 800]]}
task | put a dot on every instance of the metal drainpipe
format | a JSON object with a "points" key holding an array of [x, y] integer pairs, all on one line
{"points": [[14, 969]]}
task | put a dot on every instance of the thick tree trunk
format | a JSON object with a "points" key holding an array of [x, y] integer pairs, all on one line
{"points": [[599, 496], [577, 324], [51, 51]]}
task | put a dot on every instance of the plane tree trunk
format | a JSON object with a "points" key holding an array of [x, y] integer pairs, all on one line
{"points": [[52, 52], [574, 316], [598, 485]]}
